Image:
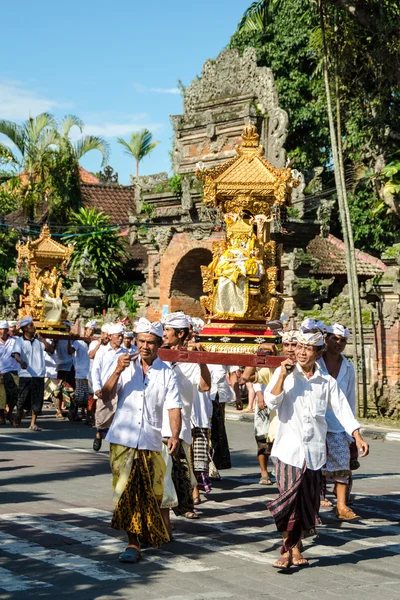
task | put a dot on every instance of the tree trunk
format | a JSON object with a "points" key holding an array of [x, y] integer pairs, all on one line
{"points": [[137, 168], [339, 188]]}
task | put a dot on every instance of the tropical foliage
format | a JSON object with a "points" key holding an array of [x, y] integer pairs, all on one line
{"points": [[90, 232], [364, 58], [139, 146]]}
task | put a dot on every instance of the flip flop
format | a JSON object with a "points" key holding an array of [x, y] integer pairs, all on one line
{"points": [[298, 560], [347, 515], [34, 428], [326, 503], [130, 555], [283, 563], [265, 481], [191, 515]]}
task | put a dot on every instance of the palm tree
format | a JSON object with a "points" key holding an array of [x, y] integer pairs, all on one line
{"points": [[139, 146], [86, 144], [35, 140]]}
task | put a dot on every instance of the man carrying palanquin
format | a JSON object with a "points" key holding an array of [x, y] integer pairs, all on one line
{"points": [[180, 477], [301, 393], [337, 468], [28, 351], [144, 385]]}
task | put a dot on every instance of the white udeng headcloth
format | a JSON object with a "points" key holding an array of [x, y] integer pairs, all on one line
{"points": [[310, 339], [338, 329], [145, 326], [25, 321], [198, 324], [4, 325], [177, 320], [308, 324], [289, 336], [115, 328], [91, 324], [105, 327]]}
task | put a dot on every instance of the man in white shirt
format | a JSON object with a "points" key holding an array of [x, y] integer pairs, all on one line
{"points": [[80, 352], [144, 386], [176, 331], [103, 365], [28, 351], [301, 394], [129, 342], [65, 376], [8, 374], [337, 468]]}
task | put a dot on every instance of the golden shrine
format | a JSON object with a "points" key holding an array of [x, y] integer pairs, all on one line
{"points": [[42, 300], [243, 283]]}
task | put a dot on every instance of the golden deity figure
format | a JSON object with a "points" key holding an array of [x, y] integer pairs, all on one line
{"points": [[42, 299], [243, 282]]}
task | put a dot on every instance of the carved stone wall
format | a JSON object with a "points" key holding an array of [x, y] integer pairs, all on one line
{"points": [[231, 91]]}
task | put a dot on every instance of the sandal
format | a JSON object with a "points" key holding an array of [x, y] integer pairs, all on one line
{"points": [[325, 502], [284, 562], [34, 428], [346, 514], [191, 515], [60, 416], [265, 481], [298, 560], [130, 555]]}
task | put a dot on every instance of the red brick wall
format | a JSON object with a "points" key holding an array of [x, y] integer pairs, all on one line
{"points": [[179, 269], [387, 363]]}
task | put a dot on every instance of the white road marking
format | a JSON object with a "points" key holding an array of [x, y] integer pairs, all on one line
{"points": [[51, 445], [104, 542], [11, 582], [11, 544]]}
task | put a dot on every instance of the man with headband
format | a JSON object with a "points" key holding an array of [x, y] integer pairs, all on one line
{"points": [[301, 393], [176, 331], [144, 385], [8, 374], [338, 461]]}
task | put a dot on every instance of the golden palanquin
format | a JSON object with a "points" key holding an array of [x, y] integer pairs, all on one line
{"points": [[243, 282], [42, 299]]}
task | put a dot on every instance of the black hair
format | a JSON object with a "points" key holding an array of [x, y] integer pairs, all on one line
{"points": [[179, 330]]}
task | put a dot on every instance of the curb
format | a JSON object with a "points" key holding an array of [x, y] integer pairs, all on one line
{"points": [[385, 435]]}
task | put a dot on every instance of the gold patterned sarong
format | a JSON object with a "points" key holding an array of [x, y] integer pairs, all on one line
{"points": [[138, 477]]}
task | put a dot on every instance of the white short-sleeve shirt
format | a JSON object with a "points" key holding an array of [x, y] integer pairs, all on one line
{"points": [[346, 381], [7, 362], [31, 352], [81, 359], [188, 377], [141, 400]]}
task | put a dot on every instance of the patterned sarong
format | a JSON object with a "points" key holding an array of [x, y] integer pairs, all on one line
{"points": [[337, 466], [296, 508], [200, 450], [138, 477], [182, 479], [81, 392]]}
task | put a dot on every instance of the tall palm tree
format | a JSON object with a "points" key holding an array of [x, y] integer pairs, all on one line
{"points": [[139, 146], [86, 144]]}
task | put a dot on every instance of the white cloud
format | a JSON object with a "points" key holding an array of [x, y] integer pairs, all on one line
{"points": [[17, 102], [142, 88], [111, 125]]}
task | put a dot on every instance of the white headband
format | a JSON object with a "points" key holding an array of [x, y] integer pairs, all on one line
{"points": [[310, 339], [340, 330], [115, 328], [4, 325], [177, 320], [145, 326], [105, 327], [128, 334], [12, 323], [308, 324], [198, 324], [91, 324], [25, 321], [289, 336]]}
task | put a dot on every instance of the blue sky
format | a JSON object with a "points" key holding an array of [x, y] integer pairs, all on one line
{"points": [[113, 64]]}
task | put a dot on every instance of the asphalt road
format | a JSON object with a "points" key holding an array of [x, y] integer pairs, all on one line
{"points": [[55, 541]]}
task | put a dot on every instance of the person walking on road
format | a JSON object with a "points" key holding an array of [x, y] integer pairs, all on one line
{"points": [[301, 393], [28, 351], [143, 385], [8, 374], [337, 468]]}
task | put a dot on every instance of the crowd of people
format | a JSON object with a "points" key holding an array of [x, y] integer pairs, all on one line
{"points": [[165, 421]]}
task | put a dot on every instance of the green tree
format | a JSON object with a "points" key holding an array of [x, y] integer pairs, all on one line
{"points": [[139, 146], [90, 231]]}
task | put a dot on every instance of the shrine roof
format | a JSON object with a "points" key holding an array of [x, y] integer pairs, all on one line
{"points": [[118, 202], [331, 256]]}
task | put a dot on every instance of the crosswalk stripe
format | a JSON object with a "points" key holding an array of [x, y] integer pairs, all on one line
{"points": [[104, 542], [11, 582], [11, 544]]}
